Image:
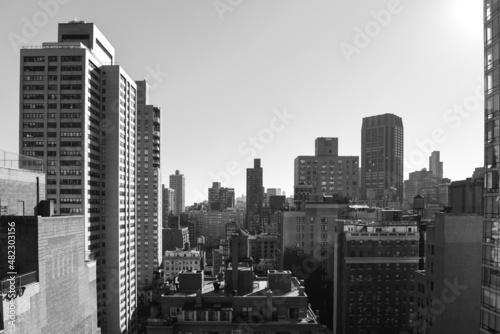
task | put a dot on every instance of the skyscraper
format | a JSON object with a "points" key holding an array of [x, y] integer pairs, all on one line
{"points": [[255, 197], [435, 165], [382, 158], [149, 190], [490, 287], [78, 114], [177, 182]]}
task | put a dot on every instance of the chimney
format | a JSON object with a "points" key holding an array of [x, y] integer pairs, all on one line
{"points": [[269, 305], [37, 195], [234, 261], [198, 298]]}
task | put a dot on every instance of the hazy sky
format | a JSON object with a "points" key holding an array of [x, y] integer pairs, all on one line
{"points": [[269, 76]]}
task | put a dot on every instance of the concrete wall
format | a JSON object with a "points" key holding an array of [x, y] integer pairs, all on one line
{"points": [[64, 298], [455, 270], [466, 196]]}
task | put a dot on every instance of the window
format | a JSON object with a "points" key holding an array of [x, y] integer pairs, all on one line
{"points": [[293, 312], [175, 311], [225, 315], [188, 315], [33, 78], [246, 312], [36, 59]]}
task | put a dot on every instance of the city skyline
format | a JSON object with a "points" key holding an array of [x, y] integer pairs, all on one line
{"points": [[257, 78]]}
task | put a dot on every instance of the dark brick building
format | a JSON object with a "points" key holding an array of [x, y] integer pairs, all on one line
{"points": [[378, 278]]}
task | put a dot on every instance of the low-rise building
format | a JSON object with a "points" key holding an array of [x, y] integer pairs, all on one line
{"points": [[176, 261], [273, 304]]}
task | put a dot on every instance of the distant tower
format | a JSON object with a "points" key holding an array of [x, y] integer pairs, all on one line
{"points": [[435, 165], [177, 182], [382, 158], [255, 196], [168, 204]]}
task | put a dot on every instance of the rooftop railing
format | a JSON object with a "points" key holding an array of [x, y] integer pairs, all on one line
{"points": [[16, 161], [9, 285]]}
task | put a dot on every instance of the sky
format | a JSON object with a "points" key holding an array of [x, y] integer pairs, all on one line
{"points": [[240, 79]]}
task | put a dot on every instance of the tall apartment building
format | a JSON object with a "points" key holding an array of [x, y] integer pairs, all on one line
{"points": [[255, 197], [220, 198], [168, 204], [447, 289], [382, 158], [78, 114], [149, 191], [178, 183], [315, 232], [435, 164], [326, 172], [490, 287], [377, 271]]}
